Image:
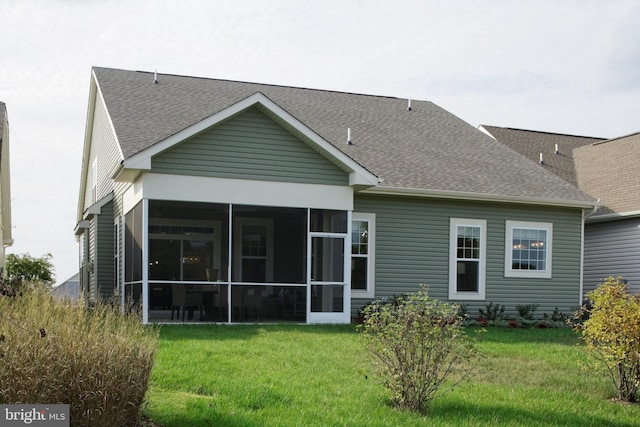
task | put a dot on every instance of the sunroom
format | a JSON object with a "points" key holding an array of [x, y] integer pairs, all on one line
{"points": [[233, 263]]}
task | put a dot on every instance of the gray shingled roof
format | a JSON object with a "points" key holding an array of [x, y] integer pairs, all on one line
{"points": [[608, 170], [531, 143], [427, 148]]}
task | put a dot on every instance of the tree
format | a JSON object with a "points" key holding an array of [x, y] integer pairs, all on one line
{"points": [[25, 269], [612, 334]]}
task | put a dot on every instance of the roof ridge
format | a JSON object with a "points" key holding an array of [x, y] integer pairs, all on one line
{"points": [[261, 84], [616, 138], [546, 132]]}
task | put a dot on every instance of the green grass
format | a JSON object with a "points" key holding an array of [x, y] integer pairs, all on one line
{"points": [[321, 376]]}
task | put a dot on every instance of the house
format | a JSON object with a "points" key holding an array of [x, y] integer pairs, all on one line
{"points": [[69, 289], [225, 201], [5, 187], [607, 170]]}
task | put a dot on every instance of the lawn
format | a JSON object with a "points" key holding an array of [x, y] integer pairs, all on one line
{"points": [[281, 375]]}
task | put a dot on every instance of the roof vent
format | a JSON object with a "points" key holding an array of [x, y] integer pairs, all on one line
{"points": [[349, 136], [155, 77], [556, 150], [541, 161], [409, 104]]}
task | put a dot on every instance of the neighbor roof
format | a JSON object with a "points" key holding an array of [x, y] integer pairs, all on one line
{"points": [[426, 149], [608, 170], [531, 143]]}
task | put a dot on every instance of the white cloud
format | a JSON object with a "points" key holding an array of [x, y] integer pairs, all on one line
{"points": [[567, 66]]}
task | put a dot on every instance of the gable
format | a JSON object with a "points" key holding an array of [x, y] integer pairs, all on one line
{"points": [[249, 146]]}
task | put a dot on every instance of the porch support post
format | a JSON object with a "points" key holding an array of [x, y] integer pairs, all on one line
{"points": [[145, 261], [347, 269], [230, 262]]}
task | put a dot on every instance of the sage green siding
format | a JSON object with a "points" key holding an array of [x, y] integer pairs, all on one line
{"points": [[104, 149], [249, 146], [412, 247], [105, 252]]}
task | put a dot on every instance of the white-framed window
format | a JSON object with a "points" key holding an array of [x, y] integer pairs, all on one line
{"points": [[467, 258], [363, 239], [528, 249]]}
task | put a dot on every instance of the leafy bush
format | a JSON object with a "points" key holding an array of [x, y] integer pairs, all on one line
{"points": [[526, 311], [419, 343], [97, 361], [28, 271], [494, 313], [612, 333]]}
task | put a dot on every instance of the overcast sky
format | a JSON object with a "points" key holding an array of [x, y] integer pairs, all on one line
{"points": [[560, 66]]}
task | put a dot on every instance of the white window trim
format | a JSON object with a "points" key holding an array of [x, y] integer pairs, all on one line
{"points": [[454, 294], [370, 292], [508, 253]]}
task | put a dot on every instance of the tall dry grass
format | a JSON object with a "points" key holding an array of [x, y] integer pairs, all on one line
{"points": [[96, 360]]}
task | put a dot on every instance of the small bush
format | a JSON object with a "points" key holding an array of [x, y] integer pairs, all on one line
{"points": [[612, 333], [493, 315], [97, 361], [527, 311], [419, 343]]}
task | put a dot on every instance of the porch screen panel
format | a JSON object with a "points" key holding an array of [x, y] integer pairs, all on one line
{"points": [[133, 244]]}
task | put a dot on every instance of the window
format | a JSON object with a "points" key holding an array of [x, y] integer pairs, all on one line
{"points": [[528, 249], [182, 251], [467, 248], [363, 255]]}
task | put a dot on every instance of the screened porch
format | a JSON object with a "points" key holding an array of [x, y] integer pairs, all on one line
{"points": [[208, 262]]}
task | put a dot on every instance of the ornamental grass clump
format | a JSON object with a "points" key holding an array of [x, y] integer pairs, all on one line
{"points": [[96, 360], [612, 334], [421, 347]]}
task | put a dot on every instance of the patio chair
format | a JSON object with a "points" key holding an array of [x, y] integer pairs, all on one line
{"points": [[182, 300]]}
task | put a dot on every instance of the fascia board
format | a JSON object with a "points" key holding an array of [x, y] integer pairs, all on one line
{"points": [[357, 174], [426, 193], [612, 216], [86, 150], [5, 184]]}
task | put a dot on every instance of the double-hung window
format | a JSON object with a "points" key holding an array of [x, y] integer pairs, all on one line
{"points": [[528, 249], [363, 230], [467, 253]]}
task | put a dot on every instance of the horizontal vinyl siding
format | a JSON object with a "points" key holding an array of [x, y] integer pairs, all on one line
{"points": [[104, 254], [612, 249], [249, 146], [91, 277], [104, 147], [412, 247]]}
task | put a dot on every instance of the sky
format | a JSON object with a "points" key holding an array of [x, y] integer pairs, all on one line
{"points": [[560, 66]]}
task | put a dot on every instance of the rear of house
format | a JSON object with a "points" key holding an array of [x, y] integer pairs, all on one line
{"points": [[605, 169], [207, 200]]}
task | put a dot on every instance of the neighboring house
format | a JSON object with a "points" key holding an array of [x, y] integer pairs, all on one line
{"points": [[608, 171], [5, 188], [215, 200], [69, 289]]}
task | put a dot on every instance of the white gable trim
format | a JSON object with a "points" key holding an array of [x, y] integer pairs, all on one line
{"points": [[357, 174]]}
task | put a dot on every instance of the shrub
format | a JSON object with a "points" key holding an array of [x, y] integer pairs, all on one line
{"points": [[526, 311], [419, 343], [612, 334], [493, 315], [97, 361], [28, 271]]}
